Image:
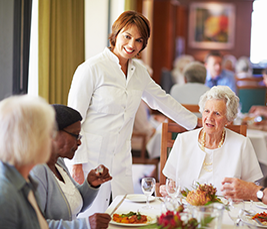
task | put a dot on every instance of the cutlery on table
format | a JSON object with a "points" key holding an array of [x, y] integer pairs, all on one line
{"points": [[118, 205]]}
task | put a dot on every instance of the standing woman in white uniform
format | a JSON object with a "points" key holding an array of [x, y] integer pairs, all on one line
{"points": [[107, 90]]}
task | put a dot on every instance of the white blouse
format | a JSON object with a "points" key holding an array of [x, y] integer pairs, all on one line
{"points": [[71, 193]]}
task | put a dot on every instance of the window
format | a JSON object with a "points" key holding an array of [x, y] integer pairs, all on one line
{"points": [[258, 47]]}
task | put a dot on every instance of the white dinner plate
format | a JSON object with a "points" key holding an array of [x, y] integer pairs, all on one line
{"points": [[139, 198], [261, 205], [247, 219], [150, 220]]}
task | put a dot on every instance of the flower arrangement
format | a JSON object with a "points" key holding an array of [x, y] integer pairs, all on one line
{"points": [[173, 220], [204, 194]]}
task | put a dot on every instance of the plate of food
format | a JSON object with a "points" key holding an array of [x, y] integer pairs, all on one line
{"points": [[132, 219], [139, 198], [261, 205], [259, 219]]}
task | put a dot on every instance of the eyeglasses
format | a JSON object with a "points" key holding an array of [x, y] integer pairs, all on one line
{"points": [[77, 136]]}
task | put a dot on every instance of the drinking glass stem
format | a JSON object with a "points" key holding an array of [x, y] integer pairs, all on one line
{"points": [[147, 203]]}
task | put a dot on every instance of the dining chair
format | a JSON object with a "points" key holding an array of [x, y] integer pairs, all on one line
{"points": [[250, 95], [192, 107], [141, 157], [169, 130]]}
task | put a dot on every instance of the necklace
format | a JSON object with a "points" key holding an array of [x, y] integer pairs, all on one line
{"points": [[203, 141]]}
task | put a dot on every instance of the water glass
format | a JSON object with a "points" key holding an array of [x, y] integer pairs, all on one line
{"points": [[214, 211], [236, 207], [172, 188], [148, 187]]}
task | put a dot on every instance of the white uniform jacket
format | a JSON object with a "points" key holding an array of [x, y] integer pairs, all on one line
{"points": [[108, 101], [235, 158]]}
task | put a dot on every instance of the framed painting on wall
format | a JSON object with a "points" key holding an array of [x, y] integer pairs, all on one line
{"points": [[211, 25]]}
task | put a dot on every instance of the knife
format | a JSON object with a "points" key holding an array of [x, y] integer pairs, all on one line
{"points": [[118, 205]]}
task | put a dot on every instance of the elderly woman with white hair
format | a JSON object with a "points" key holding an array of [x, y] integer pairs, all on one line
{"points": [[213, 152], [27, 127]]}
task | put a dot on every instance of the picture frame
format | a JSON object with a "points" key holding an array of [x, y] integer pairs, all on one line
{"points": [[211, 25]]}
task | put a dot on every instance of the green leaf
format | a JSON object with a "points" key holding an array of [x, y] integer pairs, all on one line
{"points": [[205, 222]]}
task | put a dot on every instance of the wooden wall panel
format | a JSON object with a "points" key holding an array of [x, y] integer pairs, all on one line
{"points": [[171, 20], [163, 36]]}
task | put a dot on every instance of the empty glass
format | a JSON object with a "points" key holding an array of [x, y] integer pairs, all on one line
{"points": [[173, 188], [213, 211], [148, 187], [236, 207]]}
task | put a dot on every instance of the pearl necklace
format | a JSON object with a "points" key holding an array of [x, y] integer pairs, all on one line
{"points": [[203, 141]]}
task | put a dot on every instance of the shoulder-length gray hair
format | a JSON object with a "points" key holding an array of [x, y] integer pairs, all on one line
{"points": [[225, 93], [26, 125]]}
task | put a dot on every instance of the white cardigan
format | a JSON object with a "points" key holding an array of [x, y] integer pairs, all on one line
{"points": [[235, 158]]}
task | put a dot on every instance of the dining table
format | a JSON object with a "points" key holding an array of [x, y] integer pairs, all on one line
{"points": [[258, 139], [131, 204]]}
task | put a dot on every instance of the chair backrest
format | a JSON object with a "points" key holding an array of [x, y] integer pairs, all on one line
{"points": [[167, 141], [143, 158], [192, 107], [251, 95]]}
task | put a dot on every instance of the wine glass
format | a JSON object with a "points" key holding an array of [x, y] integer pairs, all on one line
{"points": [[148, 187], [171, 188], [236, 207]]}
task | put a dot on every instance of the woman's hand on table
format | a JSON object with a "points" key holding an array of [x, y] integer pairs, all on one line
{"points": [[98, 176], [99, 220], [235, 188], [163, 191]]}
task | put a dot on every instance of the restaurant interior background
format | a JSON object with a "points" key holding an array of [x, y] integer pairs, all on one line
{"points": [[170, 38]]}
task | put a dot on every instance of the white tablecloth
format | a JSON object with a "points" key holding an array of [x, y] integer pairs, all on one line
{"points": [[127, 206], [258, 139]]}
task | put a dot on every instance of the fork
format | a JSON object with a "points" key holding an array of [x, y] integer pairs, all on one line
{"points": [[259, 222]]}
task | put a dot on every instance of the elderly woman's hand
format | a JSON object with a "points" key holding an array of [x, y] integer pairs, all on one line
{"points": [[98, 176], [238, 189], [99, 220], [163, 191]]}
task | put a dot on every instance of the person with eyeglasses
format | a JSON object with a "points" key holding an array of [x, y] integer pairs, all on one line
{"points": [[61, 198]]}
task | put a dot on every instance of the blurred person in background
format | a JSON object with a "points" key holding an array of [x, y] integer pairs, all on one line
{"points": [[27, 127], [229, 62], [215, 74], [195, 76], [178, 67], [243, 68]]}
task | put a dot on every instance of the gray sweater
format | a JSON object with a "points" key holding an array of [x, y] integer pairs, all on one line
{"points": [[53, 202]]}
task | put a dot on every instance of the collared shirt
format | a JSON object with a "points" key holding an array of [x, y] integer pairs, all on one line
{"points": [[108, 101], [226, 78], [15, 209]]}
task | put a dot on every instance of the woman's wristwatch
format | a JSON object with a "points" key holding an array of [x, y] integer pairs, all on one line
{"points": [[260, 194]]}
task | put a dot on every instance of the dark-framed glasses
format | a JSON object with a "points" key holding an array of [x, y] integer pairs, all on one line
{"points": [[77, 136]]}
